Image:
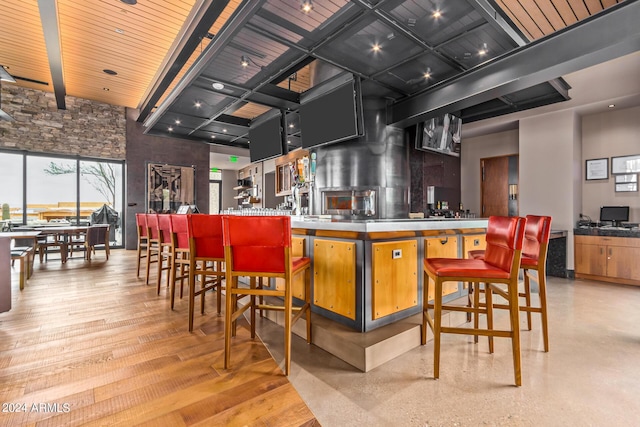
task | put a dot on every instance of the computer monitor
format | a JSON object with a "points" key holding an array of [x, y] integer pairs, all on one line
{"points": [[614, 214]]}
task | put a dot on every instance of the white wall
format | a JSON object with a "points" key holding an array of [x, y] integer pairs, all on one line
{"points": [[547, 179], [605, 135], [229, 180], [474, 149]]}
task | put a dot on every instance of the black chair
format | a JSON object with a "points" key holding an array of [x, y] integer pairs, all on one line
{"points": [[97, 235]]}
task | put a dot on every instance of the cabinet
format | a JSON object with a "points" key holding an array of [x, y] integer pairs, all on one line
{"points": [[442, 247], [334, 280], [394, 279], [609, 259]]}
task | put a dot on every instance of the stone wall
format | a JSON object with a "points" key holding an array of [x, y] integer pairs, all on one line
{"points": [[86, 128]]}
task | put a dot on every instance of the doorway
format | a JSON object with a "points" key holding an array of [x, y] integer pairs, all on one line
{"points": [[499, 186]]}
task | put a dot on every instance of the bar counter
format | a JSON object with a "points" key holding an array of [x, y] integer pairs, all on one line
{"points": [[368, 273]]}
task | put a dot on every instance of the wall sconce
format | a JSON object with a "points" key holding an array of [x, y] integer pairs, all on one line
{"points": [[513, 191]]}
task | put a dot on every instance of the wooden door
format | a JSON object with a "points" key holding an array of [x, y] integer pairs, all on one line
{"points": [[494, 186]]}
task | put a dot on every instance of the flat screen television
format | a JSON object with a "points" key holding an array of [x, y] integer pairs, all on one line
{"points": [[614, 214], [440, 134], [267, 139], [331, 117]]}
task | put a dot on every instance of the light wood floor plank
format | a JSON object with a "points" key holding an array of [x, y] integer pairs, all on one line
{"points": [[88, 343]]}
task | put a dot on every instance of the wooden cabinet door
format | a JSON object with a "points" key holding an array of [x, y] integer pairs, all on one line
{"points": [[394, 282], [622, 262], [334, 276], [590, 259], [473, 243], [442, 247], [297, 282]]}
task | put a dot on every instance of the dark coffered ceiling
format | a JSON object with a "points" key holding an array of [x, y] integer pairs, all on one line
{"points": [[401, 50], [423, 56]]}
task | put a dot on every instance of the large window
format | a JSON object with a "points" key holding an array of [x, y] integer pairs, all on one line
{"points": [[11, 189], [62, 189]]}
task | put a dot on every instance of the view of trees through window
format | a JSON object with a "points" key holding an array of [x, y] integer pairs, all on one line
{"points": [[46, 189]]}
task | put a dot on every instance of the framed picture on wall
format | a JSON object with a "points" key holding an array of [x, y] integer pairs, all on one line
{"points": [[629, 177], [597, 169], [627, 187], [625, 164]]}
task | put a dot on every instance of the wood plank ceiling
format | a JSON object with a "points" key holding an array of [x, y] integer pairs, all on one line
{"points": [[136, 41]]}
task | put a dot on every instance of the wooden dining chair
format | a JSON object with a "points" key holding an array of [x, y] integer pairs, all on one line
{"points": [[533, 265], [260, 247], [97, 235], [141, 227], [206, 259], [498, 271], [153, 242], [165, 249]]}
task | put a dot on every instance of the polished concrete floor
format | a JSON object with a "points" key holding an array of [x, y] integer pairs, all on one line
{"points": [[590, 376]]}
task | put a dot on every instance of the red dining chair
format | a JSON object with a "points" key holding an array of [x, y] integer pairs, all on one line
{"points": [[181, 261], [165, 248], [153, 242], [206, 258], [141, 226], [499, 267], [534, 259], [260, 246]]}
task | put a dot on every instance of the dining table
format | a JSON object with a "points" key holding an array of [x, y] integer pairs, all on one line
{"points": [[61, 234]]}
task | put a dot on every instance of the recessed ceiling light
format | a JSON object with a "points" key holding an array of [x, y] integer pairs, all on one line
{"points": [[288, 141], [170, 129], [110, 72], [197, 104], [306, 6], [291, 125], [218, 85], [376, 47], [177, 121], [483, 49], [213, 137], [119, 31], [131, 2], [427, 74], [437, 14], [224, 130], [612, 105]]}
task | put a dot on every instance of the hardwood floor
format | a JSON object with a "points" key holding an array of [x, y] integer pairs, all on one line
{"points": [[86, 343]]}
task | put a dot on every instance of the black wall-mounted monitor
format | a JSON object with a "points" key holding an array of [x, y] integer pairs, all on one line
{"points": [[331, 117], [614, 214], [440, 134], [267, 138]]}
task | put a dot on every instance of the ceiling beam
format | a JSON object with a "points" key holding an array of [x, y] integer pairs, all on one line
{"points": [[608, 35], [195, 29], [239, 18], [51, 29]]}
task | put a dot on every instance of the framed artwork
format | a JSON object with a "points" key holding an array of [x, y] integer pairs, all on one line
{"points": [[597, 169], [625, 164], [630, 177], [627, 187], [169, 187]]}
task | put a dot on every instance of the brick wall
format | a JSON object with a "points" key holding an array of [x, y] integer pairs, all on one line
{"points": [[86, 128]]}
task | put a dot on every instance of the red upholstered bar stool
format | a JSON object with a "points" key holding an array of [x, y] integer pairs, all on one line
{"points": [[141, 226], [260, 246], [499, 267], [166, 249], [181, 252], [534, 259], [153, 242], [206, 258]]}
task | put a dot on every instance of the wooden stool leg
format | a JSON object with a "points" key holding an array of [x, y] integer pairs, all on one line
{"points": [[307, 294], [146, 277], [527, 296], [425, 308], [476, 305], [288, 303], [252, 301], [22, 275], [227, 322], [542, 292], [139, 251], [514, 311], [488, 302], [437, 324], [192, 296]]}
